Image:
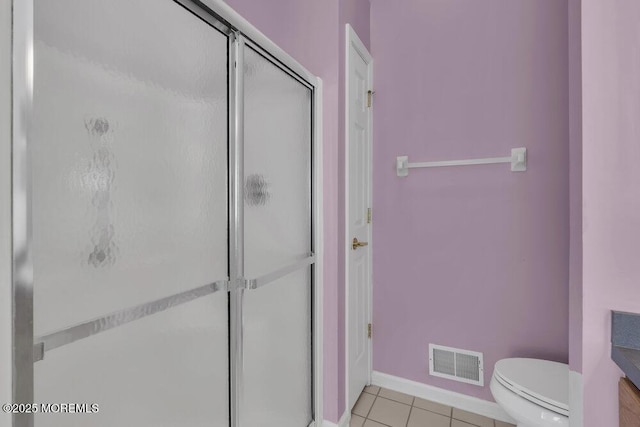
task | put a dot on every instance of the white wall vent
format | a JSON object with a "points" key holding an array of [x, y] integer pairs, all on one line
{"points": [[456, 364]]}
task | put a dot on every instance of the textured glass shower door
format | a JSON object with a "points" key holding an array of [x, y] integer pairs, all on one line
{"points": [[134, 253], [130, 222], [277, 309]]}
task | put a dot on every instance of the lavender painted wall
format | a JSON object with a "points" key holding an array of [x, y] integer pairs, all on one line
{"points": [[473, 257], [575, 186], [611, 200], [308, 31], [355, 13]]}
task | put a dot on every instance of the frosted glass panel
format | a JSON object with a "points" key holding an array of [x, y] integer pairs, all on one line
{"points": [[168, 369], [277, 167], [129, 156], [277, 368]]}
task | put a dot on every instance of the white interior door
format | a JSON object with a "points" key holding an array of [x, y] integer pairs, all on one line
{"points": [[358, 215]]}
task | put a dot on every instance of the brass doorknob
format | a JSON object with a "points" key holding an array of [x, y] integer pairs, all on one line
{"points": [[357, 244]]}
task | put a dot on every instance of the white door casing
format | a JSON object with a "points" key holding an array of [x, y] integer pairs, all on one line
{"points": [[358, 194]]}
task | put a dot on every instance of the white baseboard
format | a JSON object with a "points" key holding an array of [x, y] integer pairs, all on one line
{"points": [[344, 421], [446, 397], [575, 399]]}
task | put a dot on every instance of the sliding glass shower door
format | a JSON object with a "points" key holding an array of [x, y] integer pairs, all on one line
{"points": [[129, 214], [278, 247], [171, 222]]}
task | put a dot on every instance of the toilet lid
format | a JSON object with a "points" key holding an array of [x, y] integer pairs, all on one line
{"points": [[540, 381]]}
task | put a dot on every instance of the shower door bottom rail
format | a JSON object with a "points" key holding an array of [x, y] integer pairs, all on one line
{"points": [[92, 327]]}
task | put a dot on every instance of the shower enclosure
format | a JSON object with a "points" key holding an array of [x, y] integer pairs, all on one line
{"points": [[164, 211]]}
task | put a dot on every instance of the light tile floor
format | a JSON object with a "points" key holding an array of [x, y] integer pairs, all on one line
{"points": [[380, 407]]}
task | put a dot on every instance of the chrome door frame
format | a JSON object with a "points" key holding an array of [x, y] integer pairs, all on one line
{"points": [[22, 264]]}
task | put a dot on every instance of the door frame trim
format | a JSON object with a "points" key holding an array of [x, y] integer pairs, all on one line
{"points": [[318, 267], [22, 265], [21, 285], [352, 39], [6, 295]]}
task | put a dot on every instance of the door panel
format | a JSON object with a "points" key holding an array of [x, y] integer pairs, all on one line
{"points": [[129, 170], [358, 225], [277, 230], [168, 369], [129, 156], [277, 350], [277, 165], [129, 163]]}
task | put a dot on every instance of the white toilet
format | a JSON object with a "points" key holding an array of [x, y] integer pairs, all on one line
{"points": [[533, 392]]}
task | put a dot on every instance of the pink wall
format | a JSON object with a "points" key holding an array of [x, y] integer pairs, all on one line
{"points": [[474, 257], [611, 199], [575, 186]]}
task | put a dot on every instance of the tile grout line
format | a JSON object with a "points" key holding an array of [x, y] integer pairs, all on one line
{"points": [[411, 406], [369, 419], [413, 399], [409, 417], [371, 408], [375, 396], [395, 401]]}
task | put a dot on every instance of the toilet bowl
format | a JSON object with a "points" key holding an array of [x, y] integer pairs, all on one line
{"points": [[533, 392]]}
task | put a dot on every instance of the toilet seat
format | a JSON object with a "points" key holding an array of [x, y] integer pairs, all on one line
{"points": [[542, 382]]}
